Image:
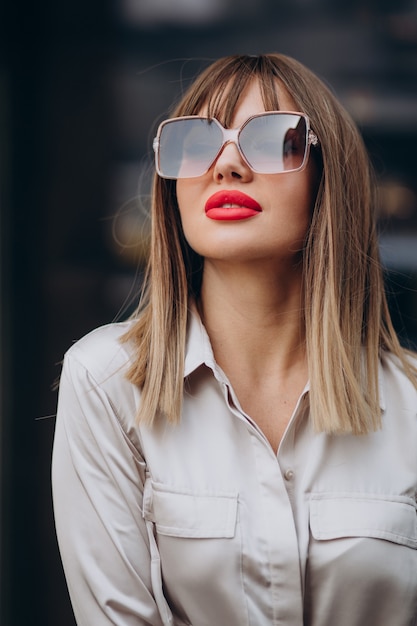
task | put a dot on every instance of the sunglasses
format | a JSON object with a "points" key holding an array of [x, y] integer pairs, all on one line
{"points": [[270, 143]]}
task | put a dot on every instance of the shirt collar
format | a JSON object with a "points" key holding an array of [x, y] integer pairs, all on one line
{"points": [[198, 349]]}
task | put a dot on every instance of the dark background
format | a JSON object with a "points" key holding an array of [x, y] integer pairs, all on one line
{"points": [[82, 87]]}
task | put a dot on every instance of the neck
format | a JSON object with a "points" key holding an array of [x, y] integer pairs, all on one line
{"points": [[254, 317]]}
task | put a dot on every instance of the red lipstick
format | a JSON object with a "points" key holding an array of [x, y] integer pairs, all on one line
{"points": [[231, 205]]}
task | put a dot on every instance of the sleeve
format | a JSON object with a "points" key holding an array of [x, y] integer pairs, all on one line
{"points": [[97, 487]]}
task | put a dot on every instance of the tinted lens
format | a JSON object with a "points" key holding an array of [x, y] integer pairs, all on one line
{"points": [[275, 143], [187, 147]]}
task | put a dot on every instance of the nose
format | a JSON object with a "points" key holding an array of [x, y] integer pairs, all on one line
{"points": [[231, 165]]}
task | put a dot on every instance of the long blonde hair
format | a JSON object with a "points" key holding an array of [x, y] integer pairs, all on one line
{"points": [[348, 323]]}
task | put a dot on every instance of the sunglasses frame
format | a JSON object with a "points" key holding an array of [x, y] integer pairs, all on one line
{"points": [[231, 135]]}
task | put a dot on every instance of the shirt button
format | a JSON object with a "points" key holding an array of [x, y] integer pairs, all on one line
{"points": [[288, 474]]}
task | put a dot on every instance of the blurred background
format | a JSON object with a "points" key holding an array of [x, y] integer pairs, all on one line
{"points": [[83, 85]]}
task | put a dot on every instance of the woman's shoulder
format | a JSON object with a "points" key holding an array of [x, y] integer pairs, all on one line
{"points": [[93, 385], [398, 385], [102, 351], [392, 361]]}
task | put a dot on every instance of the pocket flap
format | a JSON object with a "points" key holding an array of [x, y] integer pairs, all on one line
{"points": [[196, 515], [392, 518]]}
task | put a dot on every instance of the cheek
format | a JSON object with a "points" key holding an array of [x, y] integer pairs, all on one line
{"points": [[304, 197], [186, 198], [315, 175], [186, 189], [294, 200], [191, 213]]}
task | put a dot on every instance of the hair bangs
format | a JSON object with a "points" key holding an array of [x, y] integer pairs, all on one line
{"points": [[218, 91]]}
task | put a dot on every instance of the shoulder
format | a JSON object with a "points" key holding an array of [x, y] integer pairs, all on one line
{"points": [[95, 369], [397, 388], [94, 383], [102, 351]]}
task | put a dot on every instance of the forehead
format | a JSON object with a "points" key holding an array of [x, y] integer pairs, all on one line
{"points": [[233, 102]]}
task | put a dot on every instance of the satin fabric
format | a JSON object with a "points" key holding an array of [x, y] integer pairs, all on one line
{"points": [[203, 524]]}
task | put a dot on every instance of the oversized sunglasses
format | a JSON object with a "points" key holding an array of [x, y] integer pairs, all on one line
{"points": [[270, 143]]}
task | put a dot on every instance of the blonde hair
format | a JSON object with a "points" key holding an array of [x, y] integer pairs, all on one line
{"points": [[348, 324]]}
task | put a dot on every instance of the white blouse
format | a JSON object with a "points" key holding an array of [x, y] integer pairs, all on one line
{"points": [[203, 524]]}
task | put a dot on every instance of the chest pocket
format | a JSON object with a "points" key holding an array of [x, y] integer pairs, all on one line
{"points": [[195, 543], [393, 518], [177, 513]]}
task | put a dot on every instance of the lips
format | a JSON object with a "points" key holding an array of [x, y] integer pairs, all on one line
{"points": [[231, 205]]}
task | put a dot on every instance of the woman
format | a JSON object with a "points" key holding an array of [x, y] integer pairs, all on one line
{"points": [[243, 451]]}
